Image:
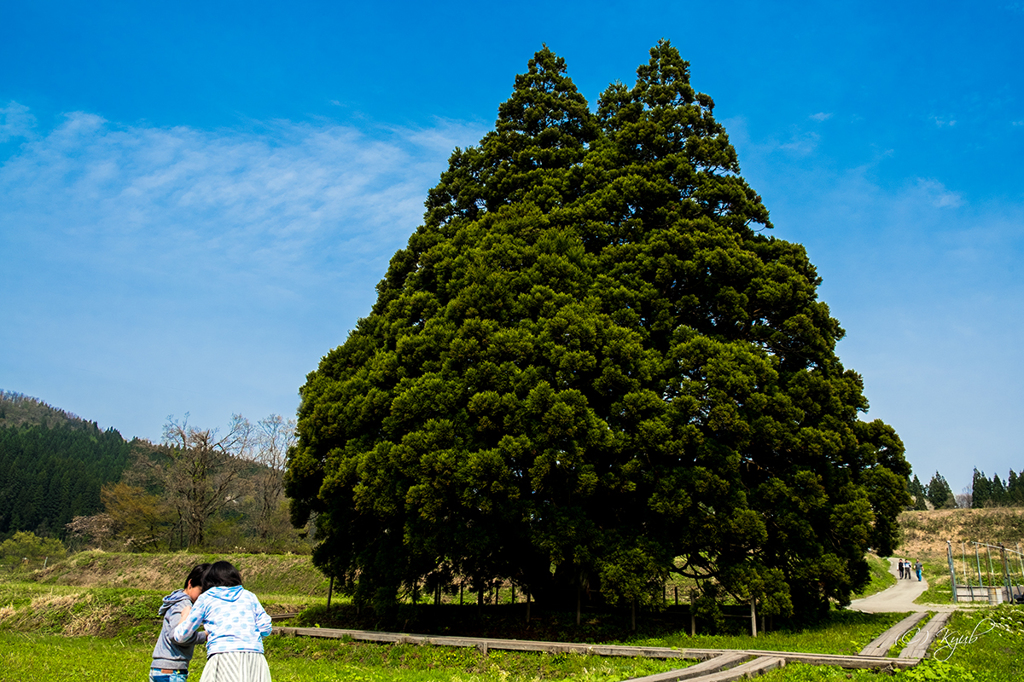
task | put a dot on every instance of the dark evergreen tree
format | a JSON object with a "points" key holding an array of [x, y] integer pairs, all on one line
{"points": [[918, 493], [589, 369], [1015, 490], [939, 493], [981, 490], [998, 492], [50, 475]]}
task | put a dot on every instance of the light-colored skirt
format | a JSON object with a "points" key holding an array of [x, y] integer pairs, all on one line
{"points": [[236, 666]]}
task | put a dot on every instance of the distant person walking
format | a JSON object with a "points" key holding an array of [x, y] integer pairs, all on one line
{"points": [[170, 658], [918, 566], [901, 569], [236, 624]]}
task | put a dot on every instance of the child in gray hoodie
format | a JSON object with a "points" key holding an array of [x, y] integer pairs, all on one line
{"points": [[171, 659]]}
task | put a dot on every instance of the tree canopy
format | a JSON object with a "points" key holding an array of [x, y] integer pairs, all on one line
{"points": [[592, 367]]}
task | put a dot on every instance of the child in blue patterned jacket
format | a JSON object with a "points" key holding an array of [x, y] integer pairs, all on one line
{"points": [[235, 623]]}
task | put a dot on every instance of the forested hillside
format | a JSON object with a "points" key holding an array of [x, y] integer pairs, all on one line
{"points": [[52, 465], [17, 409]]}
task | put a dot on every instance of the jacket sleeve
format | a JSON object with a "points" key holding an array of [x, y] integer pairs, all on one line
{"points": [[263, 625], [187, 627], [174, 619]]}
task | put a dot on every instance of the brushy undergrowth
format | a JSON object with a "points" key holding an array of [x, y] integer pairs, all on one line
{"points": [[72, 611], [287, 574], [101, 611]]}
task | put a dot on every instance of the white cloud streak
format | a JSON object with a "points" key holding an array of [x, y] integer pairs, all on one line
{"points": [[151, 271], [267, 201]]}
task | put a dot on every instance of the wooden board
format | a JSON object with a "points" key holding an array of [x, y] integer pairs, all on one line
{"points": [[885, 641], [484, 644]]}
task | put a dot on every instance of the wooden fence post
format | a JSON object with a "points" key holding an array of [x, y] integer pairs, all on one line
{"points": [[693, 615]]}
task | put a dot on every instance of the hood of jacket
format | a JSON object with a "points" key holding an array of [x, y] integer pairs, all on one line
{"points": [[172, 599], [229, 594]]}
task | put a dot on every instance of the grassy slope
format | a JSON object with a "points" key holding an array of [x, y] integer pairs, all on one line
{"points": [[284, 574], [925, 534], [881, 578]]}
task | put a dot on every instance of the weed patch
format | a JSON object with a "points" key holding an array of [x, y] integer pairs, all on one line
{"points": [[262, 573]]}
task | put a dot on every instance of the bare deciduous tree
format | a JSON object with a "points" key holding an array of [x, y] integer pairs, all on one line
{"points": [[273, 436], [199, 470]]}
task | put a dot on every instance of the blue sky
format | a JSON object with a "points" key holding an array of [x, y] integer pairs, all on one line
{"points": [[196, 200]]}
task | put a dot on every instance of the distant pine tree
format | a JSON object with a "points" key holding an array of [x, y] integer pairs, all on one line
{"points": [[939, 493], [920, 495], [1015, 490], [981, 490]]}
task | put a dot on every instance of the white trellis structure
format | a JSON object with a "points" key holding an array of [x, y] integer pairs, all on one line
{"points": [[995, 573]]}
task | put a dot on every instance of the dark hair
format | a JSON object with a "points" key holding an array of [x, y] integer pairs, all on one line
{"points": [[221, 574], [196, 576]]}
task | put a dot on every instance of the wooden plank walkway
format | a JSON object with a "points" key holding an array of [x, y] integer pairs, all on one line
{"points": [[705, 667], [753, 668], [485, 644], [918, 646], [885, 641]]}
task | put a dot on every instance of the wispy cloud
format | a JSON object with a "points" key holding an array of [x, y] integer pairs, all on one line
{"points": [[273, 202], [801, 144], [16, 120], [936, 194], [177, 269], [821, 116]]}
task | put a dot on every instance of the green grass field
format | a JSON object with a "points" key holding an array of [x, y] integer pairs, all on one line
{"points": [[55, 658], [981, 646], [53, 630]]}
